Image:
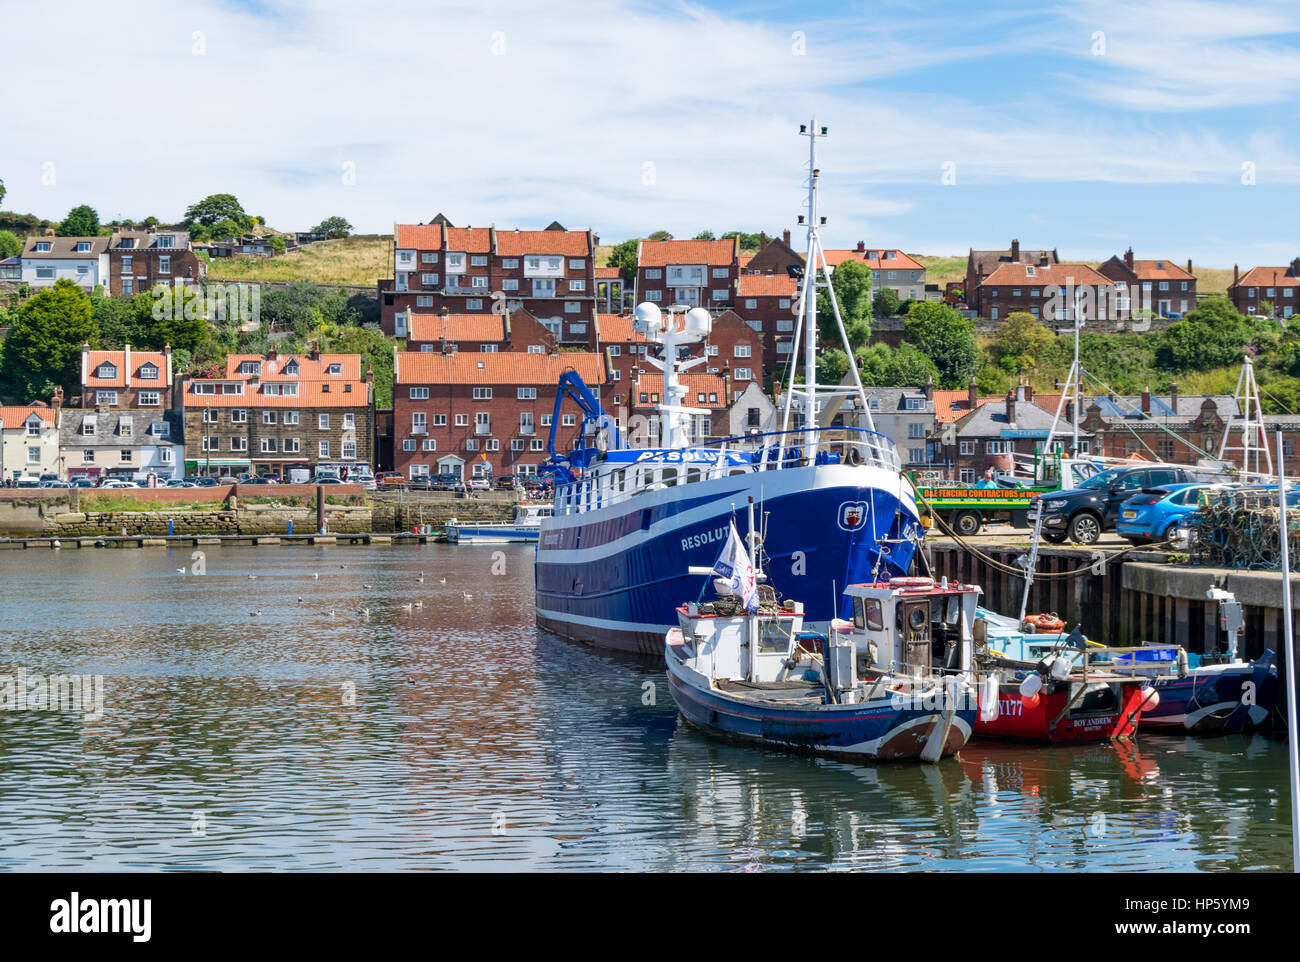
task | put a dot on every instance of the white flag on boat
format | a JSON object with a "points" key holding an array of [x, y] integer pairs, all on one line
{"points": [[735, 566]]}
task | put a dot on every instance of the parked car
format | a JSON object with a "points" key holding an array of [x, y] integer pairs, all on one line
{"points": [[118, 483], [421, 483], [327, 479], [82, 483], [479, 483], [27, 482], [1154, 513], [389, 480], [55, 484], [446, 482], [180, 483], [1083, 513], [49, 476], [262, 479]]}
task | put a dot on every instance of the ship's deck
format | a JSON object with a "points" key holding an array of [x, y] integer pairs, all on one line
{"points": [[786, 692]]}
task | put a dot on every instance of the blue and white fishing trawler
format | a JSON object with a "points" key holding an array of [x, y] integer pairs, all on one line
{"points": [[629, 521]]}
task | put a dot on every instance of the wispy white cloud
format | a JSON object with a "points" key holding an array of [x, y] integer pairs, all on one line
{"points": [[623, 115], [1183, 55]]}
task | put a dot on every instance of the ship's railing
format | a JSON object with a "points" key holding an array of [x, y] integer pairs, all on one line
{"points": [[612, 482]]}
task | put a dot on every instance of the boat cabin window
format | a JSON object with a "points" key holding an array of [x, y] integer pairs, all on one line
{"points": [[773, 637], [670, 477], [868, 613]]}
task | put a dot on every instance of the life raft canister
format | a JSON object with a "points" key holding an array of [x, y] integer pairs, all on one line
{"points": [[1043, 624], [911, 582]]}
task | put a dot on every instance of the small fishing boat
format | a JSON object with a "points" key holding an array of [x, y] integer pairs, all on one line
{"points": [[892, 687], [1202, 694], [525, 526]]}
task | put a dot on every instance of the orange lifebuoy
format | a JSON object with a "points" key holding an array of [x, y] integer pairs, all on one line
{"points": [[1043, 624]]}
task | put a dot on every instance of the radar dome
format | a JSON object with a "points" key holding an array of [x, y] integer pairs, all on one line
{"points": [[647, 318]]}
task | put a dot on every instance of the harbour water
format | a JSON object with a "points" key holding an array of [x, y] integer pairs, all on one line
{"points": [[244, 729]]}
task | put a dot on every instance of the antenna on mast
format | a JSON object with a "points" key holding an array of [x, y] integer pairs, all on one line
{"points": [[815, 259]]}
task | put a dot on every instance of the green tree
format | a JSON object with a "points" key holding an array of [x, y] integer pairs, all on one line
{"points": [[904, 367], [43, 348], [118, 322], [947, 338], [216, 208], [1021, 341], [748, 242], [851, 282], [2, 191], [1213, 335], [832, 366], [660, 235], [704, 235], [81, 221], [885, 303], [10, 245], [623, 256], [333, 227], [227, 227], [277, 243]]}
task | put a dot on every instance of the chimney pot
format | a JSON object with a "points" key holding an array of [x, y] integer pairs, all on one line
{"points": [[1015, 252], [1128, 258], [786, 237], [972, 394], [862, 245]]}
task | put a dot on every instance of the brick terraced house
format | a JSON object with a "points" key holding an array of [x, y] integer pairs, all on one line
{"points": [[482, 270], [449, 333], [140, 259], [1044, 292], [1159, 286], [475, 414], [269, 414], [981, 264], [1280, 286], [697, 273], [769, 303], [890, 268]]}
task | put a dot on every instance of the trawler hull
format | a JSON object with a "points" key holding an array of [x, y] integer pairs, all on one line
{"points": [[613, 576]]}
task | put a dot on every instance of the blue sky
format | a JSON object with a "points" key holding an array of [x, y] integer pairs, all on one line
{"points": [[1170, 124]]}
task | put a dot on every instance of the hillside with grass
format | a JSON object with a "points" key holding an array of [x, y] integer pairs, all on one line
{"points": [[354, 261]]}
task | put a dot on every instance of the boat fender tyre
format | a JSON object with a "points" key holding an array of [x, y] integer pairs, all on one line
{"points": [[1085, 528], [853, 457], [967, 523]]}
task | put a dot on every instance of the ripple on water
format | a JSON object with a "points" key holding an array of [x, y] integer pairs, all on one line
{"points": [[245, 729]]}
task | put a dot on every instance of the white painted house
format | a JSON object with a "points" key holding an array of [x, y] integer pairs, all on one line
{"points": [[82, 260], [30, 445]]}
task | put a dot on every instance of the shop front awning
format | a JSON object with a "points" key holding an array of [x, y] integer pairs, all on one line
{"points": [[217, 462]]}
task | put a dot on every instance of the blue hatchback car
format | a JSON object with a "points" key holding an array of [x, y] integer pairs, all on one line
{"points": [[1153, 514]]}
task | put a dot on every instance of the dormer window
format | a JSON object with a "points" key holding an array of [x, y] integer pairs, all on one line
{"points": [[160, 429], [83, 247], [166, 241], [33, 427], [334, 369], [1029, 271], [291, 369], [124, 424], [106, 370], [42, 247], [149, 372], [88, 424], [128, 243], [249, 367]]}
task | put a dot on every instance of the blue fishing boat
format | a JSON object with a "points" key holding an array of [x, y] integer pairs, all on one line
{"points": [[751, 672], [632, 515]]}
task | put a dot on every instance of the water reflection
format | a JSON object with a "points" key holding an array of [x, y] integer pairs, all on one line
{"points": [[312, 717]]}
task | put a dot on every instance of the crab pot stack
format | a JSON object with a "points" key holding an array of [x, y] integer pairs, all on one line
{"points": [[1241, 529]]}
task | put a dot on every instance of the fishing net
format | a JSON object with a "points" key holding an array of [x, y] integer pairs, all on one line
{"points": [[1241, 529]]}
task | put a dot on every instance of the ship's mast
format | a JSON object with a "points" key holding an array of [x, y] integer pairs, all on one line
{"points": [[815, 260]]}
